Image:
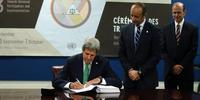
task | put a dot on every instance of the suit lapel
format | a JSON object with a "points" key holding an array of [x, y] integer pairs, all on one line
{"points": [[93, 69], [80, 66], [132, 34], [173, 34], [143, 33], [183, 33], [144, 30]]}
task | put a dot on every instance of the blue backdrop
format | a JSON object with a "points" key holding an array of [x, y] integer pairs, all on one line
{"points": [[39, 68]]}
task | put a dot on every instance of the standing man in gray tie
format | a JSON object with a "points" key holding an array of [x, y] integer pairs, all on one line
{"points": [[139, 51], [180, 41], [86, 68]]}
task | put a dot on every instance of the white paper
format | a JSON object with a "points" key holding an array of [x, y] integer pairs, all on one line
{"points": [[107, 89], [99, 89], [89, 88]]}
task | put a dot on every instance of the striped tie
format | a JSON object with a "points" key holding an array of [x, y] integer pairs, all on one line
{"points": [[178, 33], [137, 36]]}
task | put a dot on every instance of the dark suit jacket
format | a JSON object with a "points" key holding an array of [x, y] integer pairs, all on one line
{"points": [[184, 53], [145, 58], [74, 69]]}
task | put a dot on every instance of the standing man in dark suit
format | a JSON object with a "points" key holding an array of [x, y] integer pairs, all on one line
{"points": [[85, 69], [139, 51], [180, 40]]}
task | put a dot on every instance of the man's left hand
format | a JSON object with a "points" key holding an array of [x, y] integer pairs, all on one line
{"points": [[94, 81]]}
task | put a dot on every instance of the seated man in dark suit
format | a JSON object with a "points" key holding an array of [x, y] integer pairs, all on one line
{"points": [[85, 69]]}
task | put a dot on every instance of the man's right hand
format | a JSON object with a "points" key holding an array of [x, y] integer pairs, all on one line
{"points": [[76, 85], [177, 69], [133, 75]]}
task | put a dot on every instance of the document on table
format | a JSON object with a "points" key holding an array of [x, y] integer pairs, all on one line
{"points": [[89, 88], [97, 88], [107, 89]]}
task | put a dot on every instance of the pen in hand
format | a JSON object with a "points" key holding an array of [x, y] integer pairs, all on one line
{"points": [[84, 85], [77, 80], [78, 84]]}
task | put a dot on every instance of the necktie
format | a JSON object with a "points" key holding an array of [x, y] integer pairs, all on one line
{"points": [[137, 36], [178, 33], [85, 73]]}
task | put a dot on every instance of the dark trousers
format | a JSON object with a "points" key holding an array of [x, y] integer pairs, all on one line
{"points": [[174, 82]]}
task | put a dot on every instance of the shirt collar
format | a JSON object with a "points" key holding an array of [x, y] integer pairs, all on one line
{"points": [[85, 63], [181, 23], [141, 24]]}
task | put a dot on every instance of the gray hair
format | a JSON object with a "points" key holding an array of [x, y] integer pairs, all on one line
{"points": [[91, 43]]}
